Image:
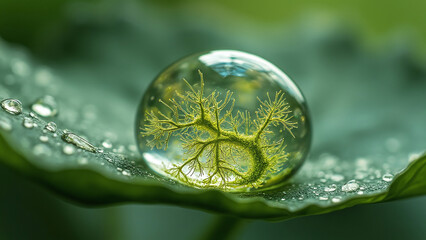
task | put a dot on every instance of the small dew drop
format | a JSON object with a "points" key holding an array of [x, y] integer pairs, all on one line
{"points": [[336, 199], [5, 124], [68, 149], [78, 141], [387, 177], [126, 173], [82, 161], [51, 127], [28, 122], [42, 150], [360, 192], [44, 138], [337, 177], [107, 144], [351, 186], [119, 169], [330, 188], [323, 198], [45, 106], [12, 106], [20, 68]]}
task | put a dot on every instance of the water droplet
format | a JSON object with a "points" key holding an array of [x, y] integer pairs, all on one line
{"points": [[350, 186], [12, 106], [78, 141], [68, 149], [44, 138], [41, 150], [323, 198], [337, 177], [33, 115], [82, 161], [119, 169], [51, 127], [5, 124], [330, 188], [336, 199], [20, 67], [126, 173], [28, 122], [107, 144], [360, 192], [45, 106], [387, 177], [413, 156], [237, 80]]}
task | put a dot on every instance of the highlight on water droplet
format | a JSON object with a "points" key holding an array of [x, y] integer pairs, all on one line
{"points": [[78, 141], [45, 106], [12, 106]]}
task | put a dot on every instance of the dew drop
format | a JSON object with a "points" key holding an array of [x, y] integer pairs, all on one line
{"points": [[323, 198], [82, 161], [5, 124], [107, 144], [239, 79], [20, 68], [330, 188], [78, 141], [12, 106], [337, 177], [336, 199], [44, 138], [387, 177], [41, 150], [28, 122], [45, 106], [126, 173], [51, 127], [350, 186], [68, 149], [360, 192]]}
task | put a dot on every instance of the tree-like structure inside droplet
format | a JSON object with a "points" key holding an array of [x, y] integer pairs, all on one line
{"points": [[225, 149]]}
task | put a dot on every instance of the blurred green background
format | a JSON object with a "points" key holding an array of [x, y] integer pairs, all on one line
{"points": [[58, 32]]}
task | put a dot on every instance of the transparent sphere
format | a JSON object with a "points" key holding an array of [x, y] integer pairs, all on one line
{"points": [[224, 119]]}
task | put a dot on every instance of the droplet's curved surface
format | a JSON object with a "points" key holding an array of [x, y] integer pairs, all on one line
{"points": [[224, 119]]}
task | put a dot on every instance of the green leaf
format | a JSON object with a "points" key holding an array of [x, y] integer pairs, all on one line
{"points": [[368, 126]]}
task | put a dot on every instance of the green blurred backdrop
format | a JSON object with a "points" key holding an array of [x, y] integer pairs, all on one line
{"points": [[54, 29]]}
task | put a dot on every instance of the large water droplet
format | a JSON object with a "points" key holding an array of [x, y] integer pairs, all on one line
{"points": [[12, 106], [350, 186], [45, 106], [78, 141], [180, 135], [387, 177]]}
